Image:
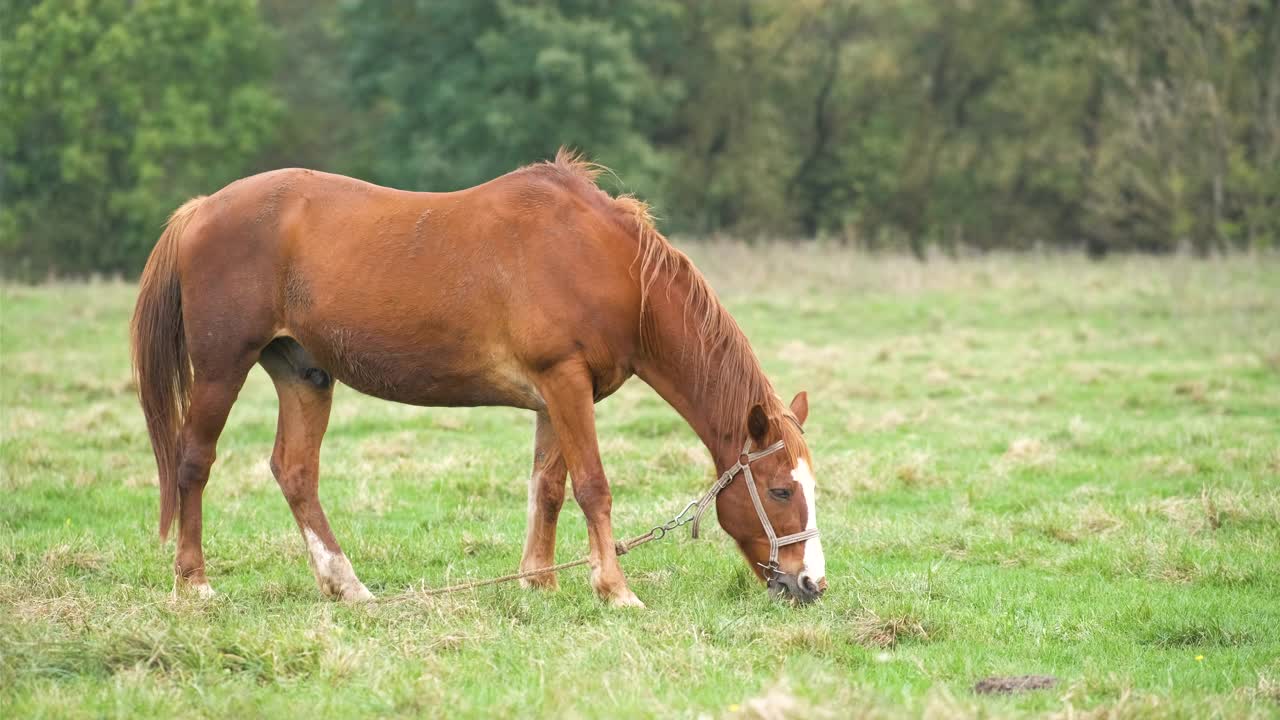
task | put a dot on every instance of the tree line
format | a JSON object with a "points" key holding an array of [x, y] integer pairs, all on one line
{"points": [[1109, 125]]}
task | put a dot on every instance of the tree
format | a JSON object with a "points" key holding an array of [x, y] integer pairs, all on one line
{"points": [[916, 124], [1193, 155], [114, 112], [463, 90]]}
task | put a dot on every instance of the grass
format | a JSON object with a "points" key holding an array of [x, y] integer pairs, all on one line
{"points": [[1026, 465]]}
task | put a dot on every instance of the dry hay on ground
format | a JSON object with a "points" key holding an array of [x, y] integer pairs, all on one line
{"points": [[1017, 684]]}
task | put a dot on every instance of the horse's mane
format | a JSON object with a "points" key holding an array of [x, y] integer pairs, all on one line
{"points": [[740, 381]]}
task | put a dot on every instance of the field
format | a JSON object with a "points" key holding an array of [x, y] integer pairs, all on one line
{"points": [[1026, 465]]}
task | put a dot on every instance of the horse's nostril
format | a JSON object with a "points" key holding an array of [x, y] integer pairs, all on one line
{"points": [[815, 588], [800, 590]]}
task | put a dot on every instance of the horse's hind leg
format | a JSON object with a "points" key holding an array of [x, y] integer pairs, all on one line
{"points": [[306, 394], [546, 496], [213, 392]]}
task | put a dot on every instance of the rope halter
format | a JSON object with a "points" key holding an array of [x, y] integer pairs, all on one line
{"points": [[743, 465]]}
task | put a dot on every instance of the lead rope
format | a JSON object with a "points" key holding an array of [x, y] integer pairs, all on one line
{"points": [[692, 513], [622, 548]]}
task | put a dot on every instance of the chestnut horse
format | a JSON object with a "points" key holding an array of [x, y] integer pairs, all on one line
{"points": [[535, 290]]}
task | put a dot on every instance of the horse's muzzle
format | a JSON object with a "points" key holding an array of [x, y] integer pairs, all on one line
{"points": [[798, 589]]}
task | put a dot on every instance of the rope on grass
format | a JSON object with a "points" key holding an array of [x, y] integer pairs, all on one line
{"points": [[622, 548]]}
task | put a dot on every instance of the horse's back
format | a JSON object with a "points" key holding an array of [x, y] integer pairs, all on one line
{"points": [[431, 298]]}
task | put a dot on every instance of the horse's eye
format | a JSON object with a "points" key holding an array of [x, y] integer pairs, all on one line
{"points": [[782, 494]]}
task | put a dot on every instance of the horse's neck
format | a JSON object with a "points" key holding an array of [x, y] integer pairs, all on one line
{"points": [[695, 377]]}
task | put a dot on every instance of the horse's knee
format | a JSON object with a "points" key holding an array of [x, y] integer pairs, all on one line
{"points": [[593, 496], [550, 507], [550, 498], [193, 469]]}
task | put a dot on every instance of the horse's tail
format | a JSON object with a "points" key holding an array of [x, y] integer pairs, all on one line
{"points": [[161, 366]]}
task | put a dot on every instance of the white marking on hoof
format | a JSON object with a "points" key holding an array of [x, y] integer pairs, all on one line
{"points": [[333, 571], [815, 564], [626, 599], [185, 588]]}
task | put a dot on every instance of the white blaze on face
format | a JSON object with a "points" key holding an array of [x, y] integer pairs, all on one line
{"points": [[815, 565]]}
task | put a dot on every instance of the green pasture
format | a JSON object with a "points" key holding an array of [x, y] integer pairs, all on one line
{"points": [[1026, 465]]}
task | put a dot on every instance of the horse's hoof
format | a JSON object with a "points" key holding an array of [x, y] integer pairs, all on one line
{"points": [[185, 588], [359, 593], [546, 581], [626, 599]]}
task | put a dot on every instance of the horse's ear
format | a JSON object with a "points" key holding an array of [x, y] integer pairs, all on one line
{"points": [[758, 424], [800, 407]]}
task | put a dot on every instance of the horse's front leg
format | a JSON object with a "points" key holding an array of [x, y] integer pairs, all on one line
{"points": [[546, 496], [567, 391]]}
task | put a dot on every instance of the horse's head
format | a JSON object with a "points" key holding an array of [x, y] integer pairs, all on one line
{"points": [[782, 477]]}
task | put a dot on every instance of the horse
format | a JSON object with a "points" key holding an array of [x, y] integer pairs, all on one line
{"points": [[535, 290]]}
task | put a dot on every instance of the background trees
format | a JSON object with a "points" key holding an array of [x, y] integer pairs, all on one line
{"points": [[1112, 125], [113, 112]]}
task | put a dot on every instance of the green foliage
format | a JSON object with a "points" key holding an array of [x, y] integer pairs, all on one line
{"points": [[113, 113], [463, 91], [1008, 123], [1194, 151], [1138, 125]]}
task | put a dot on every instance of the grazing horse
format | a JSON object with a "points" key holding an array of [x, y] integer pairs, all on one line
{"points": [[535, 290]]}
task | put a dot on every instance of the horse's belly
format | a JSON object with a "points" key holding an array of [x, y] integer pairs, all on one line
{"points": [[430, 374], [428, 385]]}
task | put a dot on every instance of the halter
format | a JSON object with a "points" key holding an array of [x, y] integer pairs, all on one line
{"points": [[743, 465]]}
